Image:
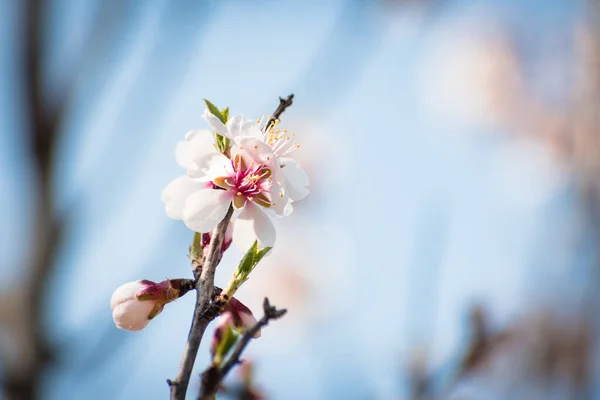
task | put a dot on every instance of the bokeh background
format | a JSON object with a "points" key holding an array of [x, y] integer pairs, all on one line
{"points": [[448, 249]]}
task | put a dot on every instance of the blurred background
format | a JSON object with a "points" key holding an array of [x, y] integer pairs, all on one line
{"points": [[449, 248]]}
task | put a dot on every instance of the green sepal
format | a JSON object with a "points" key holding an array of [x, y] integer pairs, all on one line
{"points": [[155, 310]]}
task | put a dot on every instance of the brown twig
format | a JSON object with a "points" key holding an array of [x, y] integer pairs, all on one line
{"points": [[206, 309], [202, 314], [283, 105], [214, 375]]}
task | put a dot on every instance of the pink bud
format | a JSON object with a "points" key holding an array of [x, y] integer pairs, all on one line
{"points": [[206, 237], [243, 319], [129, 312], [224, 321]]}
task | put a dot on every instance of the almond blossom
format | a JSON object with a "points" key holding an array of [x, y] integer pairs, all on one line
{"points": [[280, 142], [249, 181], [257, 180]]}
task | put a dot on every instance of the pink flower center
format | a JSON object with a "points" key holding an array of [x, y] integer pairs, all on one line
{"points": [[250, 182]]}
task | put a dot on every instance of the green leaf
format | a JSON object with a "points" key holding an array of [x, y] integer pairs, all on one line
{"points": [[260, 254], [247, 262], [225, 114], [227, 341], [215, 111]]}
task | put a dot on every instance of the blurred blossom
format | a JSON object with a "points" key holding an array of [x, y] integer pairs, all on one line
{"points": [[471, 77], [496, 216], [526, 174], [224, 323], [242, 316]]}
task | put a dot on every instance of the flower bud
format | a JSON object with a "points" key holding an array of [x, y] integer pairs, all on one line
{"points": [[200, 245], [243, 319], [134, 304], [223, 328], [206, 237]]}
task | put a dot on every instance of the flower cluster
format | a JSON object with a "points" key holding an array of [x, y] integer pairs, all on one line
{"points": [[240, 164], [253, 173]]}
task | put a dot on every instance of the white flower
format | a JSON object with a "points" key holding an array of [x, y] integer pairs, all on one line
{"points": [[249, 181], [280, 142], [257, 179], [130, 313]]}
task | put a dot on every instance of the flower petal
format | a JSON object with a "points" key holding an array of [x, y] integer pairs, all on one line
{"points": [[216, 123], [256, 150], [176, 193], [250, 129], [253, 224], [197, 148], [296, 180], [219, 165], [204, 209], [133, 315], [280, 199], [234, 125], [127, 291]]}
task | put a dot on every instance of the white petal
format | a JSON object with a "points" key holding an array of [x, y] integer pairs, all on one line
{"points": [[256, 150], [253, 224], [216, 123], [279, 198], [125, 292], [288, 208], [176, 193], [204, 209], [250, 129], [132, 315], [296, 179], [197, 148], [219, 165], [234, 125]]}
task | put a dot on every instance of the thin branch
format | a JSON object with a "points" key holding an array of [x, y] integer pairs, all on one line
{"points": [[283, 105], [207, 308], [202, 314], [213, 376]]}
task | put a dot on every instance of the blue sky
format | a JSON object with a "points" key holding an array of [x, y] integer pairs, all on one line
{"points": [[414, 214]]}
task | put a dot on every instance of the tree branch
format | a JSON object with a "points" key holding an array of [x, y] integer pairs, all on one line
{"points": [[283, 105], [21, 376], [213, 376], [207, 308], [202, 314]]}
